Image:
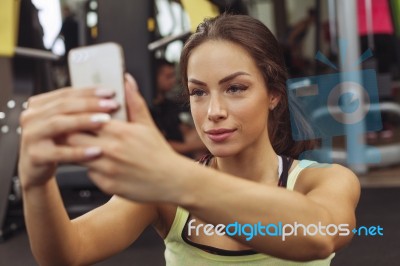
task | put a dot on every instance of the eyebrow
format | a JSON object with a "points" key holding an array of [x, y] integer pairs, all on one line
{"points": [[224, 80]]}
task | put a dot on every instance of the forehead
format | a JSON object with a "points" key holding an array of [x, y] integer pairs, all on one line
{"points": [[219, 57]]}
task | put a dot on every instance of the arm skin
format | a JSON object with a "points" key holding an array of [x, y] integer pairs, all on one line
{"points": [[326, 195], [55, 240]]}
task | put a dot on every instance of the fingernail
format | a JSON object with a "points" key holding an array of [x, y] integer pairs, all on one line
{"points": [[100, 118], [131, 80], [108, 104], [101, 92], [92, 151]]}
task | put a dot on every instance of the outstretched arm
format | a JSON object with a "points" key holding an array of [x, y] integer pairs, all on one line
{"points": [[322, 195], [107, 230]]}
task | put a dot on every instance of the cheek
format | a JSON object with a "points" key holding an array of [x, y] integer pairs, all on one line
{"points": [[253, 115], [198, 114]]}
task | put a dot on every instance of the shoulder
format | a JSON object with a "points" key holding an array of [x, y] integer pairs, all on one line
{"points": [[328, 177], [334, 188]]}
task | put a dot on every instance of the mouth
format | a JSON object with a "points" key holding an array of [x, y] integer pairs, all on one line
{"points": [[219, 135]]}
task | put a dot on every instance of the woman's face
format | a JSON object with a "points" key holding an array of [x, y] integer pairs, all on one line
{"points": [[228, 98]]}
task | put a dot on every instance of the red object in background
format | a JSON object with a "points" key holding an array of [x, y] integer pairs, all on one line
{"points": [[381, 17]]}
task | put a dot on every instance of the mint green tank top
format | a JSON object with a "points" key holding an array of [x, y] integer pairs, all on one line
{"points": [[179, 253]]}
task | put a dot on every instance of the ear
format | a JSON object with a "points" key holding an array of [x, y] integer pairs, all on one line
{"points": [[273, 101]]}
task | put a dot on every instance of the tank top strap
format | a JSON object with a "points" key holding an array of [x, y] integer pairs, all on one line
{"points": [[178, 225], [205, 159], [296, 172]]}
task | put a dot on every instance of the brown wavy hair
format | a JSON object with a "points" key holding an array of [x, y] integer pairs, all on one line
{"points": [[260, 43]]}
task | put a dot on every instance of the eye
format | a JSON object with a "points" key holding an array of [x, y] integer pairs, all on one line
{"points": [[236, 89], [197, 93]]}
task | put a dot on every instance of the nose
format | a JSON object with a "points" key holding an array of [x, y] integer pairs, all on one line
{"points": [[216, 109]]}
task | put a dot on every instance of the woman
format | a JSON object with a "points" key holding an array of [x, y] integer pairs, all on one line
{"points": [[235, 78]]}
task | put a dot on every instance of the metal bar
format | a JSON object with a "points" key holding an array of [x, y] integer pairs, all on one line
{"points": [[167, 40], [281, 19], [5, 170], [6, 78], [317, 24], [9, 148], [348, 32], [390, 155], [370, 22], [386, 107], [332, 26], [36, 53]]}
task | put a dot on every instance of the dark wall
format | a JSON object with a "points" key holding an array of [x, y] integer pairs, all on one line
{"points": [[125, 22]]}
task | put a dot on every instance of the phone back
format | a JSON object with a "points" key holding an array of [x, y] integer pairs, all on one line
{"points": [[99, 65]]}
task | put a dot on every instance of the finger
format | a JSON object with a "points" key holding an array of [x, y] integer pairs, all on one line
{"points": [[104, 183], [137, 108], [65, 154], [82, 139], [64, 124], [73, 106], [103, 165], [130, 82], [69, 106], [69, 92]]}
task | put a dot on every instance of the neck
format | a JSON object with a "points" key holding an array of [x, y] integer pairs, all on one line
{"points": [[258, 163]]}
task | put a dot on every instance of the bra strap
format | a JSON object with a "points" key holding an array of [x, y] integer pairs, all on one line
{"points": [[286, 164]]}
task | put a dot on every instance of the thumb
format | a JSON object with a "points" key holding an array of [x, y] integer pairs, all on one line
{"points": [[136, 106]]}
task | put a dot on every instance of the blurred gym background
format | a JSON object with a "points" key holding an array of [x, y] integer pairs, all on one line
{"points": [[35, 37]]}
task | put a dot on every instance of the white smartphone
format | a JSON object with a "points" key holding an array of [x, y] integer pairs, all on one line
{"points": [[100, 65]]}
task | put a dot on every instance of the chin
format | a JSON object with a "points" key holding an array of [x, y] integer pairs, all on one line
{"points": [[223, 151]]}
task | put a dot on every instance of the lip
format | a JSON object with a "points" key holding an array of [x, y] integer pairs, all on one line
{"points": [[220, 134]]}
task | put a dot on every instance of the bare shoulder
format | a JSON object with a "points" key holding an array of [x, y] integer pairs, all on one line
{"points": [[329, 178], [335, 189]]}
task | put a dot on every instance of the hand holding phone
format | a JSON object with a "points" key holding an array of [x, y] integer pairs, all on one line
{"points": [[100, 65]]}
